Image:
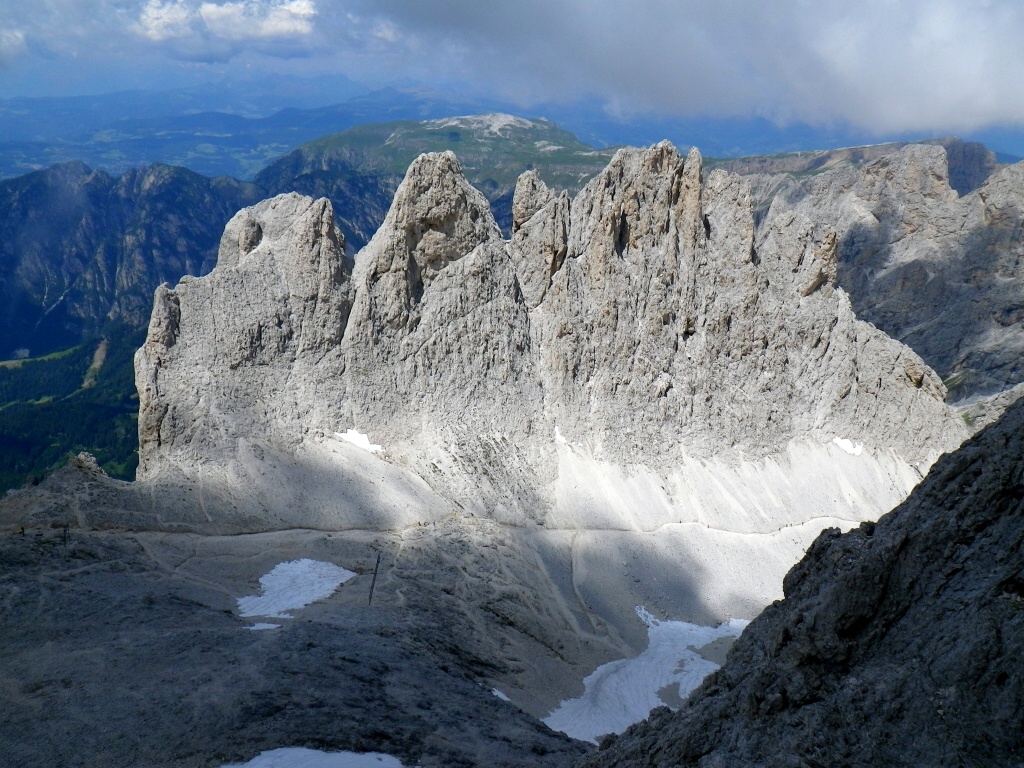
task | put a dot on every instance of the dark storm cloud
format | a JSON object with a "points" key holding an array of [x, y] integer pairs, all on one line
{"points": [[880, 64]]}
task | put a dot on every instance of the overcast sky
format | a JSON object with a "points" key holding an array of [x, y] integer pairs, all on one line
{"points": [[880, 65]]}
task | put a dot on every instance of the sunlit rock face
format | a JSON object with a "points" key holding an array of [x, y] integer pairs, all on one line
{"points": [[638, 365]]}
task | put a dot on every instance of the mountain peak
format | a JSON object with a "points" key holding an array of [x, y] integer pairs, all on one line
{"points": [[649, 294]]}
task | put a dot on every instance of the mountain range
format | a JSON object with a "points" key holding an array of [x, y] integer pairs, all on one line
{"points": [[639, 398], [236, 128], [85, 250], [538, 451]]}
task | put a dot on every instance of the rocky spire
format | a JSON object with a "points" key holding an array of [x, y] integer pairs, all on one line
{"points": [[644, 322]]}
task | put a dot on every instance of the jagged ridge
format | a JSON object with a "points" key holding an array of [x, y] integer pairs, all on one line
{"points": [[647, 296]]}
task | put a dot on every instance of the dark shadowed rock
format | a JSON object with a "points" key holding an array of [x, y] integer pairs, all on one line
{"points": [[898, 643]]}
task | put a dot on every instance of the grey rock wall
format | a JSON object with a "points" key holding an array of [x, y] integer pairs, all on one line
{"points": [[940, 272], [646, 321]]}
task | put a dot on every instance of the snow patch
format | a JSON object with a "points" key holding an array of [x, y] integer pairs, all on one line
{"points": [[300, 757], [499, 694], [359, 439], [624, 692], [263, 625], [854, 449], [547, 146], [291, 585], [559, 437], [493, 123]]}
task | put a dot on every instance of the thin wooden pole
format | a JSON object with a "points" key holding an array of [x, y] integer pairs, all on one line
{"points": [[374, 582]]}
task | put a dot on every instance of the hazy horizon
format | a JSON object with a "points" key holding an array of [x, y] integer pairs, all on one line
{"points": [[878, 69]]}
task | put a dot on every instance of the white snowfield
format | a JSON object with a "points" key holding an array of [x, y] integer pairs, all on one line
{"points": [[299, 757], [290, 586], [806, 481], [624, 692], [852, 448]]}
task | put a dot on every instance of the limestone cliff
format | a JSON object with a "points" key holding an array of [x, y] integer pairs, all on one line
{"points": [[934, 269], [252, 335], [643, 326]]}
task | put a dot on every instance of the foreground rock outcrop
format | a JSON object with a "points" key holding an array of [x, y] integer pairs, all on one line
{"points": [[898, 643]]}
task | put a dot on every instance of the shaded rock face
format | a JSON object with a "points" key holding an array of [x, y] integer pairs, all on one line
{"points": [[644, 321], [897, 643], [172, 678], [937, 271]]}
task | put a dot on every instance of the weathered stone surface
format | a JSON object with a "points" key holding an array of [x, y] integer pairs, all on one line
{"points": [[937, 271], [637, 400], [671, 327], [897, 643], [667, 329], [234, 355], [539, 242], [133, 643], [979, 412]]}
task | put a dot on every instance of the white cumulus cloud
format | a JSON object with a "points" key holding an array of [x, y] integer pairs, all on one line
{"points": [[245, 20], [163, 21], [217, 31]]}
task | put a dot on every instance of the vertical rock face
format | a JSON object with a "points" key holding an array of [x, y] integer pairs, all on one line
{"points": [[539, 242], [234, 354], [643, 324], [671, 327], [937, 271], [439, 334]]}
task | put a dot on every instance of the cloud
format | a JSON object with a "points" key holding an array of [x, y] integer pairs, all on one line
{"points": [[884, 65], [12, 45], [218, 31], [165, 21], [252, 21], [878, 64]]}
